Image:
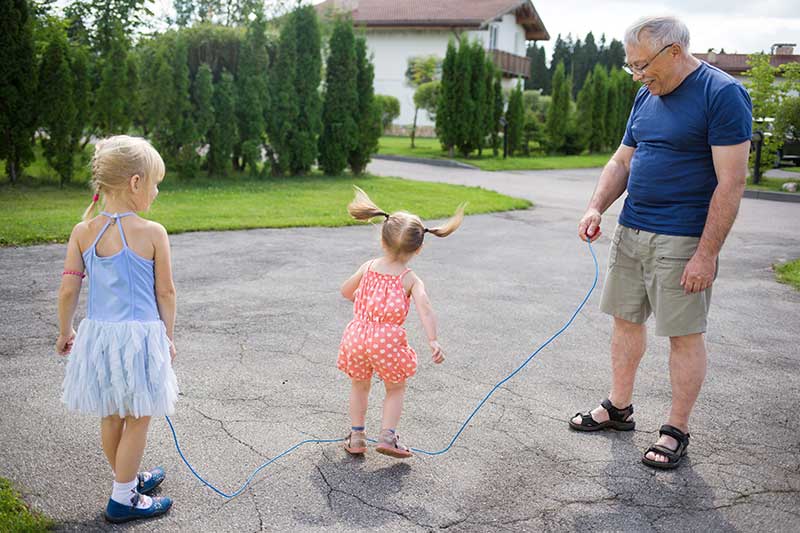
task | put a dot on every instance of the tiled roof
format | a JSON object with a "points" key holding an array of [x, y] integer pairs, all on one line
{"points": [[440, 13], [737, 63]]}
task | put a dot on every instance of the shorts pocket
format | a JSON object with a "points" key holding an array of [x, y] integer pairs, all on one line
{"points": [[669, 270]]}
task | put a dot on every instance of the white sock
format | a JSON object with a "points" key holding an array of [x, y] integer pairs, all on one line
{"points": [[123, 492], [145, 475]]}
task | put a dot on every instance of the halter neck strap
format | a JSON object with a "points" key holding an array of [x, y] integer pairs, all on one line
{"points": [[117, 216]]}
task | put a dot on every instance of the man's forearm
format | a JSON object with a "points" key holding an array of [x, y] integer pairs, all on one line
{"points": [[612, 183], [721, 214]]}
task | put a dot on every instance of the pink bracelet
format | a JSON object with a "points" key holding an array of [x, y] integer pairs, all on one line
{"points": [[73, 273]]}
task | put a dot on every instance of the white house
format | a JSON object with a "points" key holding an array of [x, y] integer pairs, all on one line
{"points": [[398, 30]]}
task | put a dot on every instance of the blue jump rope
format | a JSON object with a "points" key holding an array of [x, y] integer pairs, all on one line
{"points": [[417, 450]]}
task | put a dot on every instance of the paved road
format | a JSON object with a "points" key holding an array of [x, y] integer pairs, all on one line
{"points": [[260, 319]]}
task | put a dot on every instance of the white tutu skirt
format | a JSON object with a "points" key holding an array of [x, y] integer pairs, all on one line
{"points": [[120, 368]]}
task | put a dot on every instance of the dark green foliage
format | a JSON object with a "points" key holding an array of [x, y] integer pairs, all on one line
{"points": [[497, 111], [203, 102], [515, 116], [476, 127], [558, 112], [597, 140], [17, 86], [339, 130], [283, 100], [367, 118], [111, 112], [58, 113], [251, 85], [447, 111], [223, 133], [305, 130]]}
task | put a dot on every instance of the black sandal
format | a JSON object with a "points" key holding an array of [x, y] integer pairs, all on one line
{"points": [[673, 456], [617, 419]]}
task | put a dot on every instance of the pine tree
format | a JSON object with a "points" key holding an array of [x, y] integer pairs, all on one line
{"points": [[558, 112], [497, 111], [489, 124], [477, 123], [132, 92], [223, 133], [447, 109], [612, 110], [284, 106], [585, 110], [81, 92], [539, 76], [304, 135], [465, 104], [203, 102], [515, 116], [339, 134], [367, 119], [58, 112], [111, 110], [251, 85], [597, 142], [150, 58], [182, 136], [17, 87]]}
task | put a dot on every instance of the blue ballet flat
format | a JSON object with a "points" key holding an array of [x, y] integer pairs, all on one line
{"points": [[117, 513], [157, 476]]}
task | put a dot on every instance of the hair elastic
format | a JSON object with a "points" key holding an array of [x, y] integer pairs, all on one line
{"points": [[425, 230], [95, 198]]}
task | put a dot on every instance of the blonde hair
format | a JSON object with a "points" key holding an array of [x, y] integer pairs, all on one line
{"points": [[402, 233], [118, 158]]}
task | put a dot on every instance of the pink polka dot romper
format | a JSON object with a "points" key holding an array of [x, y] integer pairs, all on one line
{"points": [[375, 339]]}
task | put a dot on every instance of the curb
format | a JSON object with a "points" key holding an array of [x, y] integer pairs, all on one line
{"points": [[435, 162], [773, 195]]}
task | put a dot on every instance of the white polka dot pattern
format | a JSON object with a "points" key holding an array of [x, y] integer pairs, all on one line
{"points": [[375, 339]]}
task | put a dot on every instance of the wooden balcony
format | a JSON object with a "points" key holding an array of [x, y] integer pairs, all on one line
{"points": [[510, 64]]}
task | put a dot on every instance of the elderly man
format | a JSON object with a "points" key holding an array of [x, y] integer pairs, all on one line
{"points": [[683, 161]]}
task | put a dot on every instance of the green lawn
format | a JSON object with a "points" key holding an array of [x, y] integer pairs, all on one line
{"points": [[789, 273], [44, 213], [769, 184], [15, 516], [430, 148]]}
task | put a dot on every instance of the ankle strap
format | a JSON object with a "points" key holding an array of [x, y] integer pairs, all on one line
{"points": [[614, 413]]}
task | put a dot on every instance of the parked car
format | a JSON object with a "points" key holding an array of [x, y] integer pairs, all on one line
{"points": [[790, 151]]}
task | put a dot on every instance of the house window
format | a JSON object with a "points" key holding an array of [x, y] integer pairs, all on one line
{"points": [[492, 37]]}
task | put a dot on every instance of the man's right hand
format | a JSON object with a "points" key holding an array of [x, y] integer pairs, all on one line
{"points": [[589, 226]]}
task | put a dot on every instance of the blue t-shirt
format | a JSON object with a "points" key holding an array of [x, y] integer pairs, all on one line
{"points": [[672, 173]]}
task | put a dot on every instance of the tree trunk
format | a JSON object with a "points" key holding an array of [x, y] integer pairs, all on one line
{"points": [[414, 127], [11, 169]]}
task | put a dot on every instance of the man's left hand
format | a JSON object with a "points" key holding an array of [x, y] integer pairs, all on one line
{"points": [[699, 273]]}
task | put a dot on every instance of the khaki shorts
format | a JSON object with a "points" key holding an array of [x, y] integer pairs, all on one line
{"points": [[644, 276]]}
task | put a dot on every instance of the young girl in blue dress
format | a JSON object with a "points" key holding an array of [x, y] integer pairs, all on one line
{"points": [[120, 359]]}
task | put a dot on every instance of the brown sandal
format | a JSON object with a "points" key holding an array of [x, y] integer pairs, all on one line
{"points": [[356, 443], [389, 444]]}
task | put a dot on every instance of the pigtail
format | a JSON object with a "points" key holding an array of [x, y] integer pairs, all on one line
{"points": [[451, 225], [95, 198], [363, 208]]}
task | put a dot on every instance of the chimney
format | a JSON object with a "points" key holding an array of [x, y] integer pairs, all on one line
{"points": [[712, 56], [783, 49]]}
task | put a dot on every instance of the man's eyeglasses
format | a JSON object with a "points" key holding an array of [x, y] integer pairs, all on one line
{"points": [[630, 69]]}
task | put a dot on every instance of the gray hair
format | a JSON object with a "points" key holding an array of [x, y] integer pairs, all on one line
{"points": [[661, 31]]}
